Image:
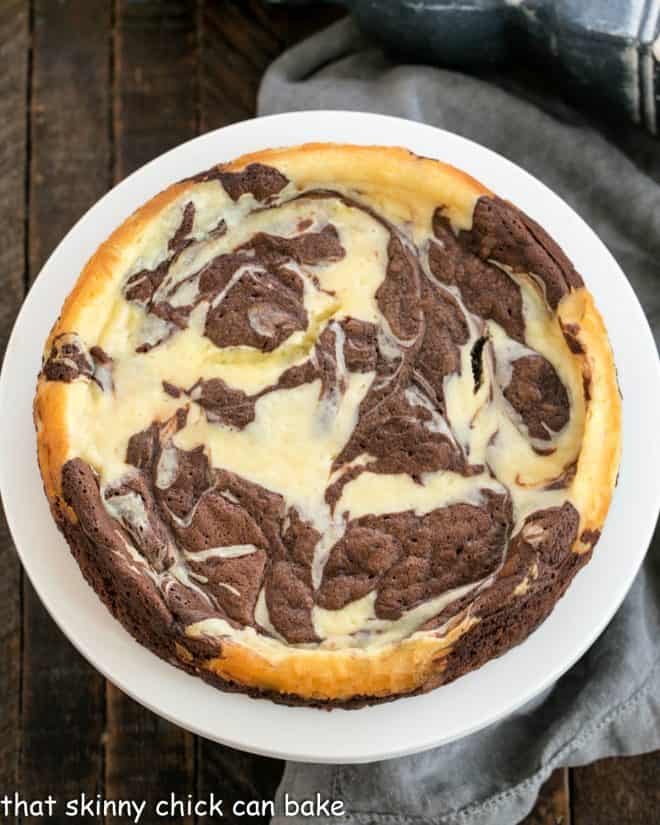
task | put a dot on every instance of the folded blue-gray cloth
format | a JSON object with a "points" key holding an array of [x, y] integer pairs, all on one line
{"points": [[609, 702], [602, 54]]}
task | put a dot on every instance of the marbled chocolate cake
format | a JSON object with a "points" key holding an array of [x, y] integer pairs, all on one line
{"points": [[329, 424]]}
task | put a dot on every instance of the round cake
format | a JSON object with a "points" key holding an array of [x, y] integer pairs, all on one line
{"points": [[329, 424]]}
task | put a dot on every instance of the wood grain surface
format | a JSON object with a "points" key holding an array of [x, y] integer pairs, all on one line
{"points": [[14, 73], [62, 697], [89, 91], [617, 791]]}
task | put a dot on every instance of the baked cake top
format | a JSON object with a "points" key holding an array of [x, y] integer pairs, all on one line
{"points": [[307, 419]]}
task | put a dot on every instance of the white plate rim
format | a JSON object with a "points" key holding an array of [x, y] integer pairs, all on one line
{"points": [[421, 722]]}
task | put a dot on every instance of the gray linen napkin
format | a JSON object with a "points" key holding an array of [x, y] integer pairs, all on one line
{"points": [[609, 702]]}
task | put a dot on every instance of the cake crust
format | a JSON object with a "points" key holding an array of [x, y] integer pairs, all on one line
{"points": [[544, 548]]}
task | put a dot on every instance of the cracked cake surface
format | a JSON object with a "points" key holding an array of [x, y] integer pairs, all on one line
{"points": [[329, 424]]}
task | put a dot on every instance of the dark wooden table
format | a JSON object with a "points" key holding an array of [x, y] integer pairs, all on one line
{"points": [[89, 91]]}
